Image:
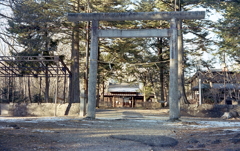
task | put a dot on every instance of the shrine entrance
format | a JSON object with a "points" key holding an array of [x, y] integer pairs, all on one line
{"points": [[97, 33]]}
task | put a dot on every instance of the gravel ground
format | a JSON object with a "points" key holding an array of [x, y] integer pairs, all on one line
{"points": [[119, 130]]}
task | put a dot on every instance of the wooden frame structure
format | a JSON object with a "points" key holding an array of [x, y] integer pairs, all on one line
{"points": [[34, 66]]}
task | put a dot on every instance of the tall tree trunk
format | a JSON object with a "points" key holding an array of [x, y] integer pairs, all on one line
{"points": [[74, 81], [98, 83], [87, 61], [181, 81], [47, 81], [160, 51], [74, 85]]}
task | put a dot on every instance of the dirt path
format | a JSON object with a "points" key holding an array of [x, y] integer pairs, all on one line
{"points": [[142, 130]]}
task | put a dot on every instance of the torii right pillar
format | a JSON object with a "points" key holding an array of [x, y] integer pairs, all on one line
{"points": [[174, 103]]}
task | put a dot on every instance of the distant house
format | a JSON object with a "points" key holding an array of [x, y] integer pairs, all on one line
{"points": [[123, 95], [215, 86]]}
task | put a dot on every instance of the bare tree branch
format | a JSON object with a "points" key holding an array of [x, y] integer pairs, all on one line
{"points": [[4, 16]]}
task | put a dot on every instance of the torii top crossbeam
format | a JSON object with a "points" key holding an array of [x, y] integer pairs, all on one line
{"points": [[136, 16]]}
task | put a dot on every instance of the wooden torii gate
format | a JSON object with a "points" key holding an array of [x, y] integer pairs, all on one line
{"points": [[96, 33]]}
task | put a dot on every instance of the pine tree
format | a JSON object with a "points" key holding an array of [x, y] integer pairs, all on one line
{"points": [[228, 29]]}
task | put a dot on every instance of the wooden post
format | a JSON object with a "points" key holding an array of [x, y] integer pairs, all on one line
{"points": [[92, 83], [132, 101], [56, 90], [40, 90], [64, 86], [13, 79], [200, 90]]}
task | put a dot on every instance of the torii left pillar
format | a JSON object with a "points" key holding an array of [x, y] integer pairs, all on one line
{"points": [[91, 108]]}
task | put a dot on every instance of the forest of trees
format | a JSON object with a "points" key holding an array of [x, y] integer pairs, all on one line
{"points": [[33, 27]]}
